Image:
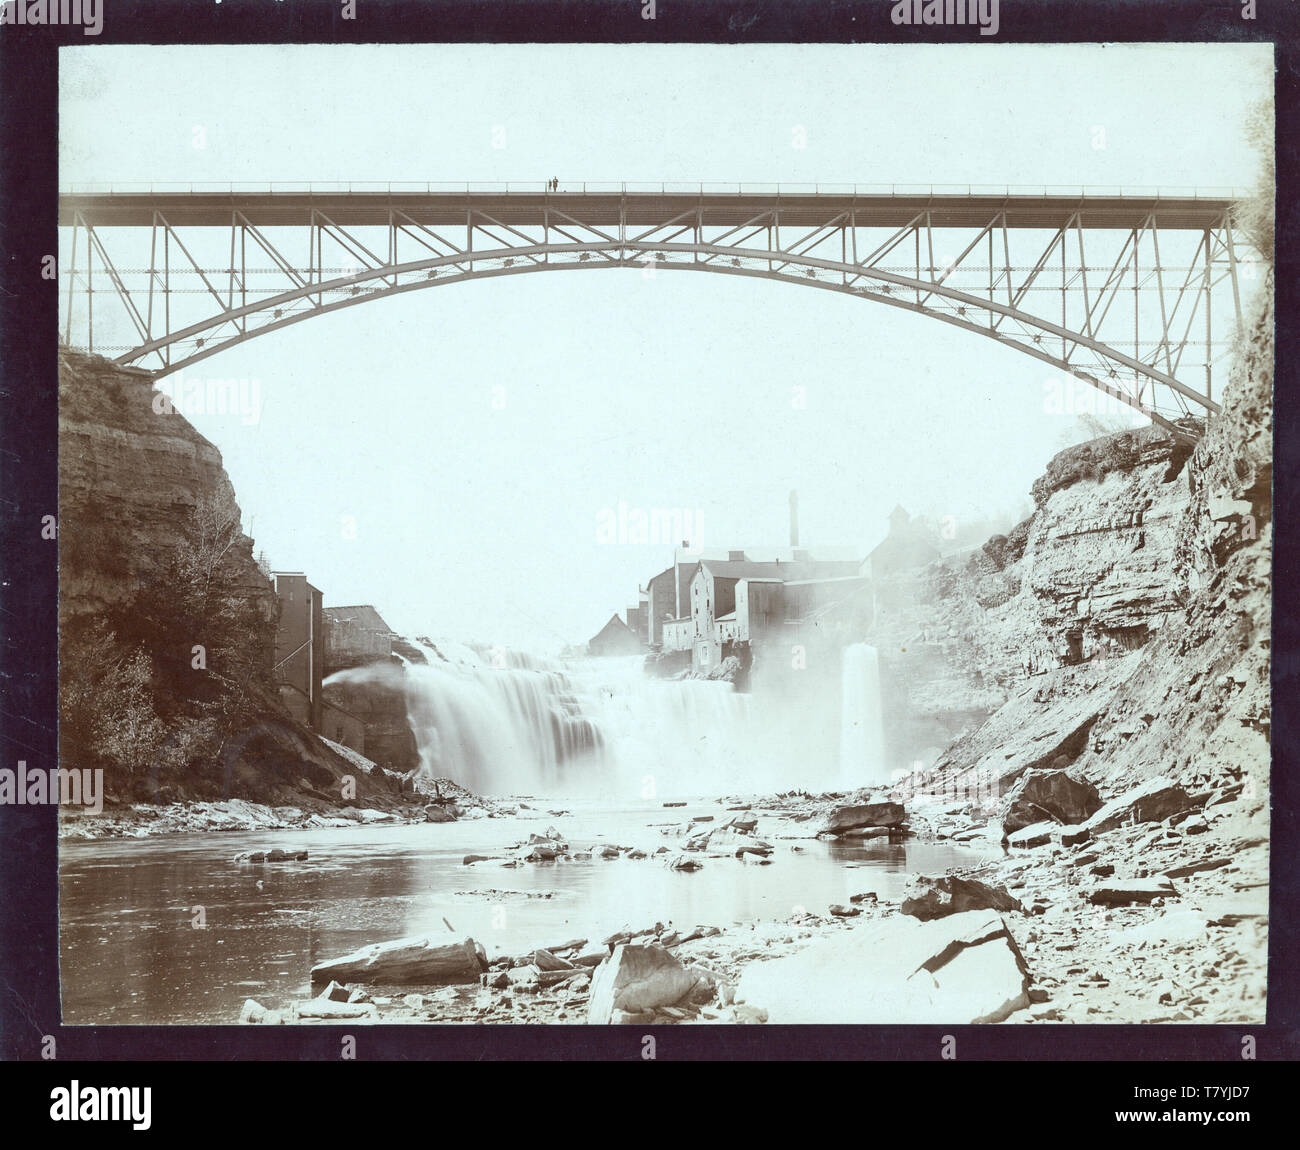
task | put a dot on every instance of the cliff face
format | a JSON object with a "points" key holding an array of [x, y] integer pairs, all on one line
{"points": [[129, 477], [1085, 579], [143, 497], [376, 693], [1125, 627]]}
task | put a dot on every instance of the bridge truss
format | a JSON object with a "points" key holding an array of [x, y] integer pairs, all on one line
{"points": [[1139, 296]]}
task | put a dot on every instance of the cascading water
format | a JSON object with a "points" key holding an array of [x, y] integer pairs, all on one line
{"points": [[504, 722], [495, 724], [862, 741]]}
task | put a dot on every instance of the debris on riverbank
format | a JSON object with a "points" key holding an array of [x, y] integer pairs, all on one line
{"points": [[433, 800], [1160, 917]]}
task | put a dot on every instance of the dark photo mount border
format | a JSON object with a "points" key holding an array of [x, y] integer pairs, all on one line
{"points": [[29, 939]]}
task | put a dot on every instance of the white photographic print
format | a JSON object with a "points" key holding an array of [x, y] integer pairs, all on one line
{"points": [[786, 541]]}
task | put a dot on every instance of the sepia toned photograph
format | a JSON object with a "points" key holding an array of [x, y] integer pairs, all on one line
{"points": [[446, 641]]}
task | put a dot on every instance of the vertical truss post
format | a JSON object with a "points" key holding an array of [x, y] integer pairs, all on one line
{"points": [[1064, 257], [153, 265], [72, 280], [1209, 353], [90, 291], [167, 288], [991, 270], [1232, 270], [1137, 346]]}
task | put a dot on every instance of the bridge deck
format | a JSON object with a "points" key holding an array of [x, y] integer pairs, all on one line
{"points": [[638, 209]]}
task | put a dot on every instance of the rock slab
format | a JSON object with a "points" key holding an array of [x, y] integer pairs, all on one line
{"points": [[929, 897], [841, 819], [419, 959], [1151, 802], [635, 979], [964, 968], [1048, 795]]}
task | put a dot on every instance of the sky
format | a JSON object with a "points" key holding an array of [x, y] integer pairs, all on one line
{"points": [[450, 456]]}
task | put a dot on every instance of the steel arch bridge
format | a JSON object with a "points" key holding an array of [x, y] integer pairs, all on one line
{"points": [[1137, 294]]}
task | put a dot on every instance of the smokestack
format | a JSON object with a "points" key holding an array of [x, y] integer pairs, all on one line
{"points": [[794, 519]]}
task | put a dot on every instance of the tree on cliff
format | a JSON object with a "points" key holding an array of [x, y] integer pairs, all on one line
{"points": [[159, 682], [209, 633], [106, 700]]}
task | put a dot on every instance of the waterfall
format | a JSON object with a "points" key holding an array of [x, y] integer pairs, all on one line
{"points": [[862, 742], [496, 728], [504, 722]]}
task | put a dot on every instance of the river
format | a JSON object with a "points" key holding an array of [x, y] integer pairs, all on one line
{"points": [[132, 954]]}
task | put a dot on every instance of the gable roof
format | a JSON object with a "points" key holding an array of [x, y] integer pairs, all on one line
{"points": [[616, 625], [362, 615], [784, 572]]}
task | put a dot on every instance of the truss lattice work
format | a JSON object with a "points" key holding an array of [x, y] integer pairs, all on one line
{"points": [[1138, 295]]}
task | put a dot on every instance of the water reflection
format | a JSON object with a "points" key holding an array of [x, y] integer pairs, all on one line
{"points": [[170, 930]]}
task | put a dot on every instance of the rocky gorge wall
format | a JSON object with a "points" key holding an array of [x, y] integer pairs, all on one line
{"points": [[1124, 628], [134, 477], [1084, 579]]}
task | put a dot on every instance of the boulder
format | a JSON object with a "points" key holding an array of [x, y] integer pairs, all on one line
{"points": [[1151, 802], [255, 1014], [528, 975], [545, 960], [682, 862], [965, 968], [754, 848], [335, 993], [593, 955], [841, 819], [1036, 835], [1059, 796], [436, 813], [936, 896], [419, 959], [1131, 890], [542, 852], [636, 979]]}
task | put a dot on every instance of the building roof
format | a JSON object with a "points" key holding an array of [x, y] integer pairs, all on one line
{"points": [[832, 579], [362, 615], [784, 572], [616, 624]]}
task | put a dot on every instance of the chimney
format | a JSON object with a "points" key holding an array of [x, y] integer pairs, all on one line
{"points": [[794, 519]]}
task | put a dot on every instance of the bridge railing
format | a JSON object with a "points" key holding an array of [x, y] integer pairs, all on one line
{"points": [[669, 187]]}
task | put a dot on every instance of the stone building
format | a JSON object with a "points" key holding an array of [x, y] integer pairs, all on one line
{"points": [[615, 638], [720, 606], [355, 636], [299, 646]]}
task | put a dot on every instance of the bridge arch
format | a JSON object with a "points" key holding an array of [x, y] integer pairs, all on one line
{"points": [[981, 297]]}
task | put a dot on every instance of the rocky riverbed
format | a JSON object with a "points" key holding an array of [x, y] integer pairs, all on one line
{"points": [[1149, 905]]}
